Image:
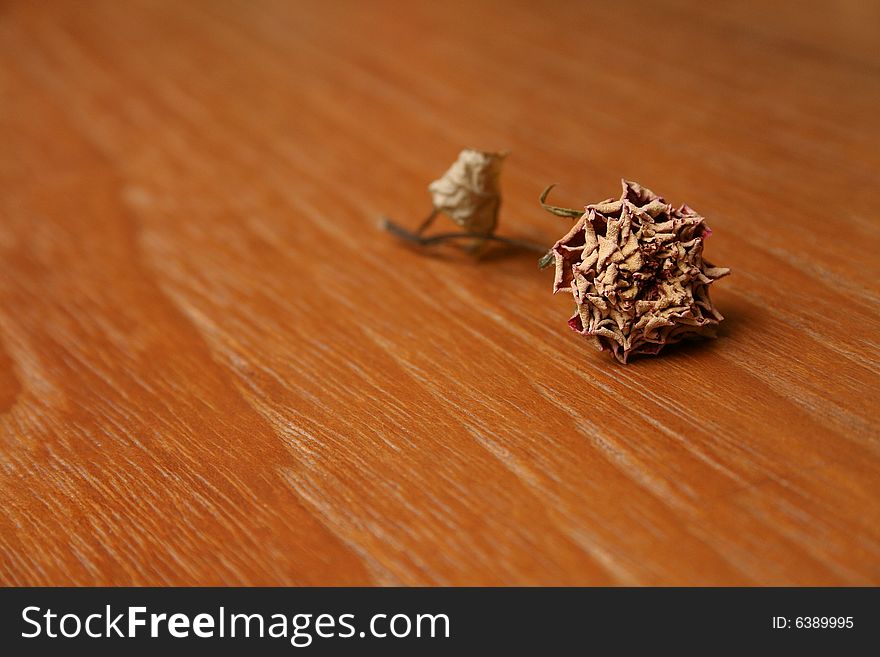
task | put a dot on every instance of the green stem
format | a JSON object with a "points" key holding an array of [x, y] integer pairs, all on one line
{"points": [[559, 212]]}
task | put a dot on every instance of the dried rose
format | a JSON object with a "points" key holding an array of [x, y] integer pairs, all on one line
{"points": [[469, 192], [635, 267]]}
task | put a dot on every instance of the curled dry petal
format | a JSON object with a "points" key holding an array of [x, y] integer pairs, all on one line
{"points": [[635, 268], [469, 192]]}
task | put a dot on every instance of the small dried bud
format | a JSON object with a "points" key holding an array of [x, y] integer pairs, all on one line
{"points": [[635, 267], [469, 192]]}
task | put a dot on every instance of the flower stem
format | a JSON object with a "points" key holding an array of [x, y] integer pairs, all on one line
{"points": [[427, 222], [553, 209]]}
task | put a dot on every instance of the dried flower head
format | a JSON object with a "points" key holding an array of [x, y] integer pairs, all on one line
{"points": [[635, 267], [469, 192]]}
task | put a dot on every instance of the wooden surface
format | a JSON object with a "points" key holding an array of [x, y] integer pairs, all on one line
{"points": [[214, 369]]}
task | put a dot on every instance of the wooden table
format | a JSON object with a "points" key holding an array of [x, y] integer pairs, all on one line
{"points": [[215, 369]]}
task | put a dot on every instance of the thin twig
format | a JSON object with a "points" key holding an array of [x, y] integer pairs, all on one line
{"points": [[427, 222]]}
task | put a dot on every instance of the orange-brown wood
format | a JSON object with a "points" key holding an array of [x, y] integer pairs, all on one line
{"points": [[215, 369]]}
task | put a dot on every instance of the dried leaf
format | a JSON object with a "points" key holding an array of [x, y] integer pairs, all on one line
{"points": [[469, 192], [635, 268]]}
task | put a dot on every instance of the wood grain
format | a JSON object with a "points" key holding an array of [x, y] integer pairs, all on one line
{"points": [[214, 369]]}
